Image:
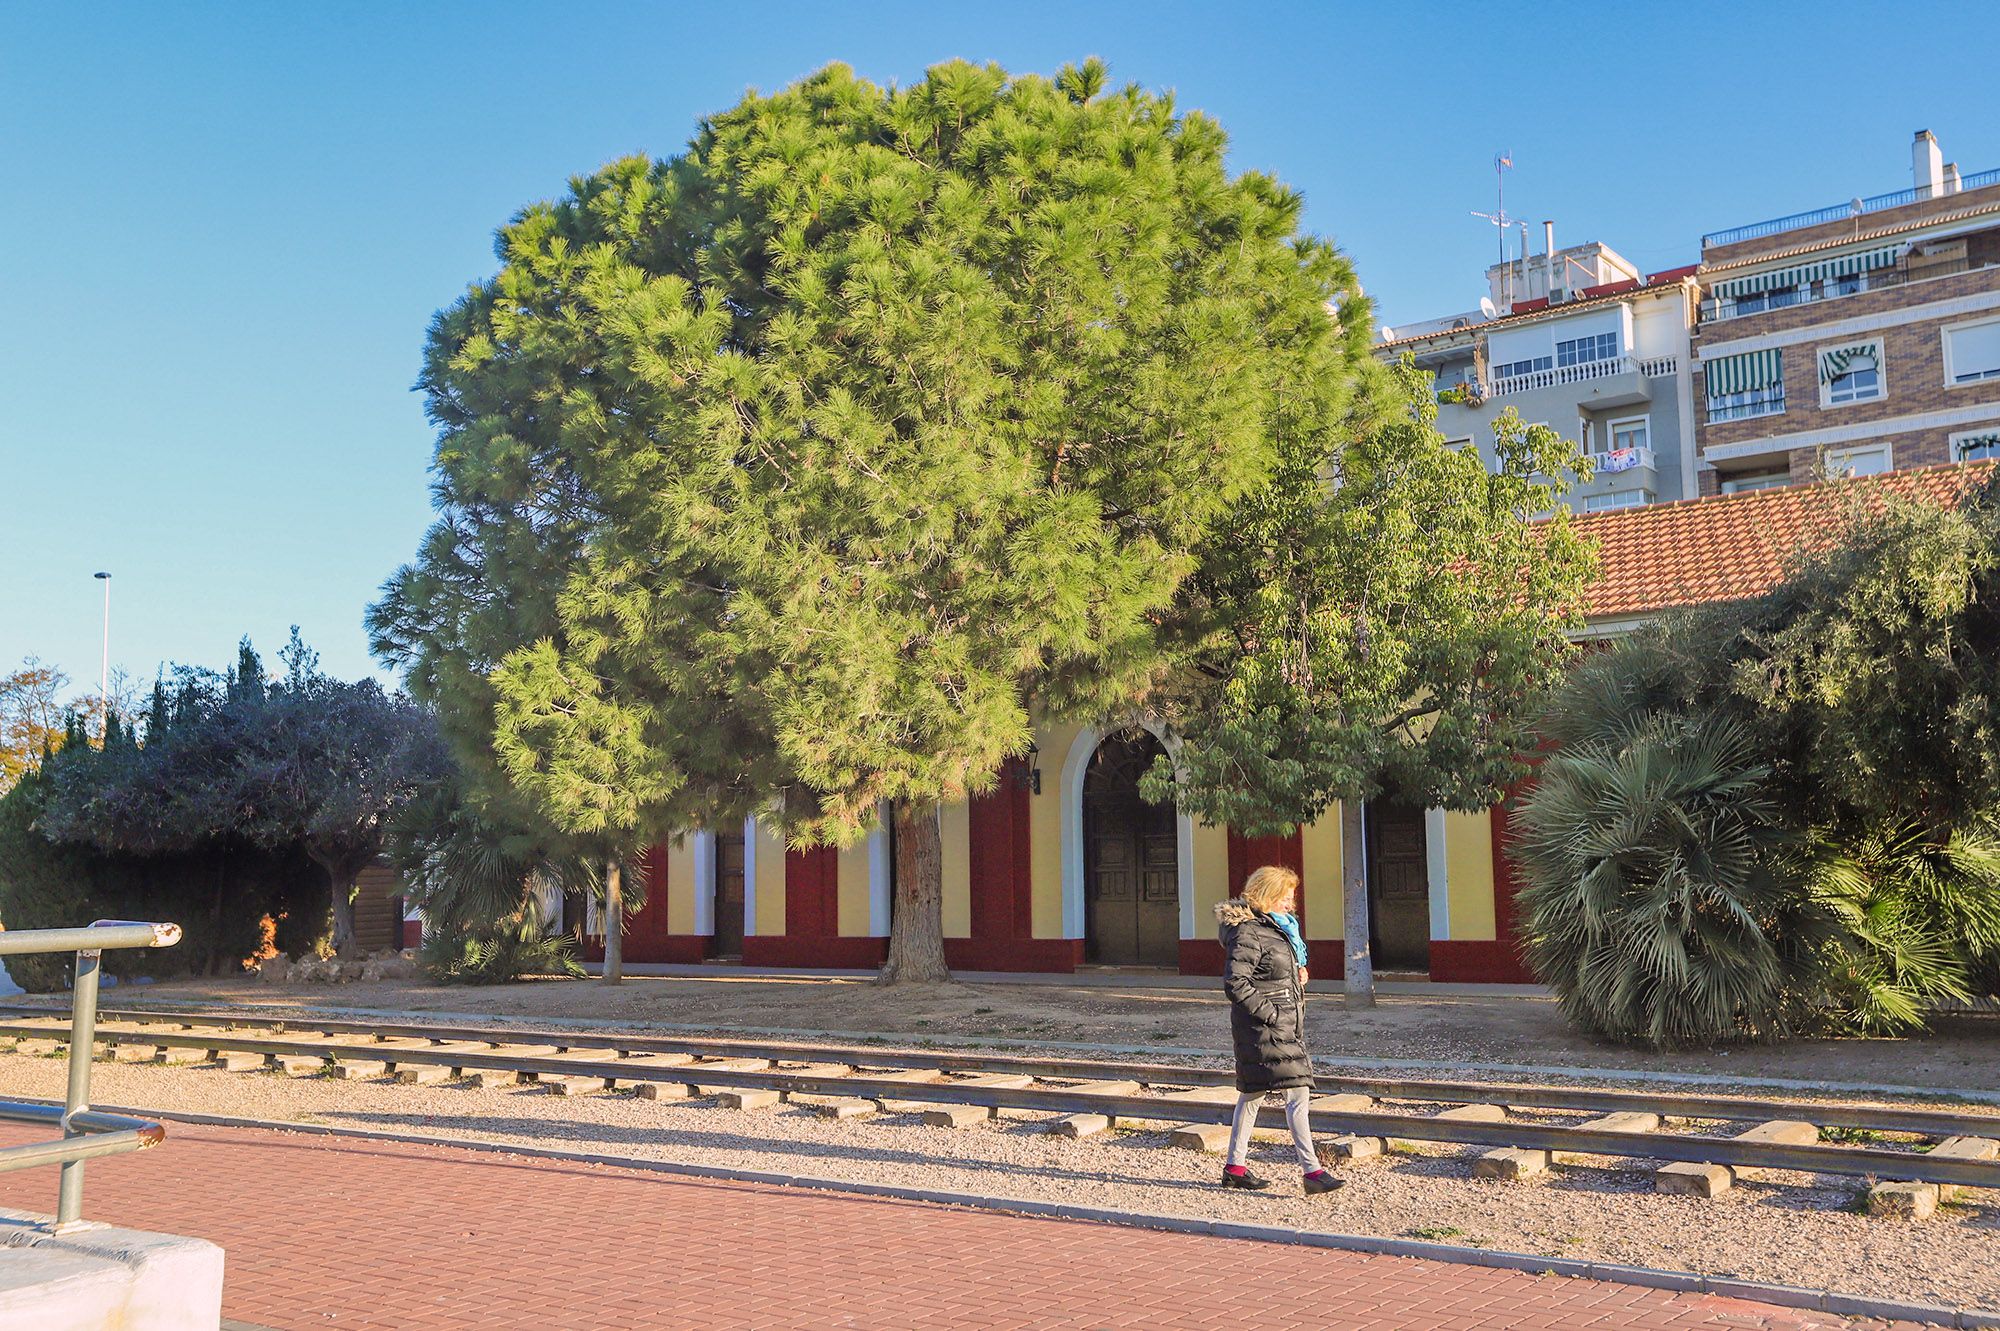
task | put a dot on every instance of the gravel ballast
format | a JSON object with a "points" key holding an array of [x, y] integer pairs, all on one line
{"points": [[1800, 1235]]}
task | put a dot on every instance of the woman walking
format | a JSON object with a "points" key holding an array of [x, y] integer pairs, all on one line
{"points": [[1266, 982]]}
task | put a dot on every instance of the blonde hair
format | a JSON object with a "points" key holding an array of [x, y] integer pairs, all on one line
{"points": [[1271, 889]]}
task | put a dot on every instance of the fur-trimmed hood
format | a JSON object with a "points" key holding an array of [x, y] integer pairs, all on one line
{"points": [[1233, 911]]}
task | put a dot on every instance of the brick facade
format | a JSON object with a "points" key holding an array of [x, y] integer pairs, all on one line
{"points": [[1913, 373]]}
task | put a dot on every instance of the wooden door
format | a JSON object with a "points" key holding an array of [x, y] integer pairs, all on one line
{"points": [[1399, 889], [1131, 860], [729, 893]]}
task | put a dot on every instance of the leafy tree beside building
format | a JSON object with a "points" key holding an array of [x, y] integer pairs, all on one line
{"points": [[1383, 616]]}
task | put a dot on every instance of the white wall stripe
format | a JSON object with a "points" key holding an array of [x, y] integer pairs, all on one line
{"points": [[1435, 868], [703, 849], [749, 878]]}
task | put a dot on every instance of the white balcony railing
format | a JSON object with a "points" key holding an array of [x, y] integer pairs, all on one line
{"points": [[1653, 368], [1612, 461]]}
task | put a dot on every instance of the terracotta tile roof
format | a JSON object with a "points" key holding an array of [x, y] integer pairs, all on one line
{"points": [[1729, 547]]}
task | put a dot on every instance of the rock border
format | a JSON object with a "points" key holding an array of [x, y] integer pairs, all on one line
{"points": [[1781, 1296]]}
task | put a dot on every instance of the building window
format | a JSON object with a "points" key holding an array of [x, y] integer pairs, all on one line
{"points": [[1867, 460], [1851, 373], [1616, 499], [1629, 433], [1766, 401], [1776, 299], [1755, 480], [1972, 353], [1584, 350], [1751, 383], [1976, 445], [1515, 368]]}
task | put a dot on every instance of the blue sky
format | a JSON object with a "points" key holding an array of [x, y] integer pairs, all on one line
{"points": [[226, 227]]}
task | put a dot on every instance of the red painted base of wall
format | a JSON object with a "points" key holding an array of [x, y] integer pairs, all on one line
{"points": [[840, 954], [413, 933], [1201, 956], [1324, 957], [1487, 961], [1054, 955], [663, 949]]}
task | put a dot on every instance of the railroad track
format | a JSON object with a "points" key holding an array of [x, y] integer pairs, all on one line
{"points": [[1701, 1138]]}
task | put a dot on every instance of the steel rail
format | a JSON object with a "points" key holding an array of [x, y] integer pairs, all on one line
{"points": [[1847, 1161], [1829, 1114]]}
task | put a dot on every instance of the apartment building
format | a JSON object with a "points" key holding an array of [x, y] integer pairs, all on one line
{"points": [[1853, 339], [1579, 340]]}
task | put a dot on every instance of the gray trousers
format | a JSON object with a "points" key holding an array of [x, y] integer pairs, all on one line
{"points": [[1296, 1100]]}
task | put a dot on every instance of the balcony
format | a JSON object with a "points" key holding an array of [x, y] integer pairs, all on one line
{"points": [[1742, 406], [1635, 462], [1618, 381], [1719, 308]]}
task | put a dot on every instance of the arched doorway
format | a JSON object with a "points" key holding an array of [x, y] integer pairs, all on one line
{"points": [[1131, 859]]}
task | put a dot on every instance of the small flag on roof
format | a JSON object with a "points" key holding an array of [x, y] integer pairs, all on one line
{"points": [[1504, 161]]}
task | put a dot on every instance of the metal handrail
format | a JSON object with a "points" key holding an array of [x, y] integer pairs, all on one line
{"points": [[85, 1131], [1873, 204]]}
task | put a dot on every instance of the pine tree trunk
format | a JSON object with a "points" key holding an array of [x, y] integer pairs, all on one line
{"points": [[1359, 962], [614, 922], [343, 912], [916, 930]]}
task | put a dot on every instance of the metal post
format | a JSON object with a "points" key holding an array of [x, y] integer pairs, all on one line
{"points": [[82, 1038]]}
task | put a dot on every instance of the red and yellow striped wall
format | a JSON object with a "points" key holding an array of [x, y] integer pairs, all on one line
{"points": [[1014, 890]]}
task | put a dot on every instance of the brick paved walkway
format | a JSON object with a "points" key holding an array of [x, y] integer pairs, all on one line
{"points": [[323, 1232]]}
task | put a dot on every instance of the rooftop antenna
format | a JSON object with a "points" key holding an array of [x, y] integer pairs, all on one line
{"points": [[1503, 162]]}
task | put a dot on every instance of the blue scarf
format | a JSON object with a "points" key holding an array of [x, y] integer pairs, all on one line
{"points": [[1288, 925]]}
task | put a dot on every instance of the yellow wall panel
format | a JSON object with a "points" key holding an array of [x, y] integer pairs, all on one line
{"points": [[680, 887], [1211, 875], [955, 838], [770, 870], [1319, 860], [851, 890], [1468, 846]]}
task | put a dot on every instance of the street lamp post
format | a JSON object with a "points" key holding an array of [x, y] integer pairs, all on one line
{"points": [[104, 665]]}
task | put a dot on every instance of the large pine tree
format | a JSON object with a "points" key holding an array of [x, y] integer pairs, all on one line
{"points": [[794, 474]]}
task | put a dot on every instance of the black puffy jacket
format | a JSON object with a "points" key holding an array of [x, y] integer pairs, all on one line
{"points": [[1267, 1015]]}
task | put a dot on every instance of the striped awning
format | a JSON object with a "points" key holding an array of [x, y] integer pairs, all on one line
{"points": [[1840, 360], [1799, 275], [1744, 373]]}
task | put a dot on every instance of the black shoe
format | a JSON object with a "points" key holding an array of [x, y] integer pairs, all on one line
{"points": [[1244, 1180], [1321, 1181]]}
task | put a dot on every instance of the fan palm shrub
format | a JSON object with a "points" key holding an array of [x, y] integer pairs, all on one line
{"points": [[1652, 904], [1918, 921], [489, 888]]}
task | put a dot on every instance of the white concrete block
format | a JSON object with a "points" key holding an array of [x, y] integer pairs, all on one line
{"points": [[104, 1277]]}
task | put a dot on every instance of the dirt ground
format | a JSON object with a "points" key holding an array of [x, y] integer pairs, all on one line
{"points": [[1467, 1031]]}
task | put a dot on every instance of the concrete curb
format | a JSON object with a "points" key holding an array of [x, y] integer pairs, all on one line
{"points": [[1783, 1296], [1585, 1073]]}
